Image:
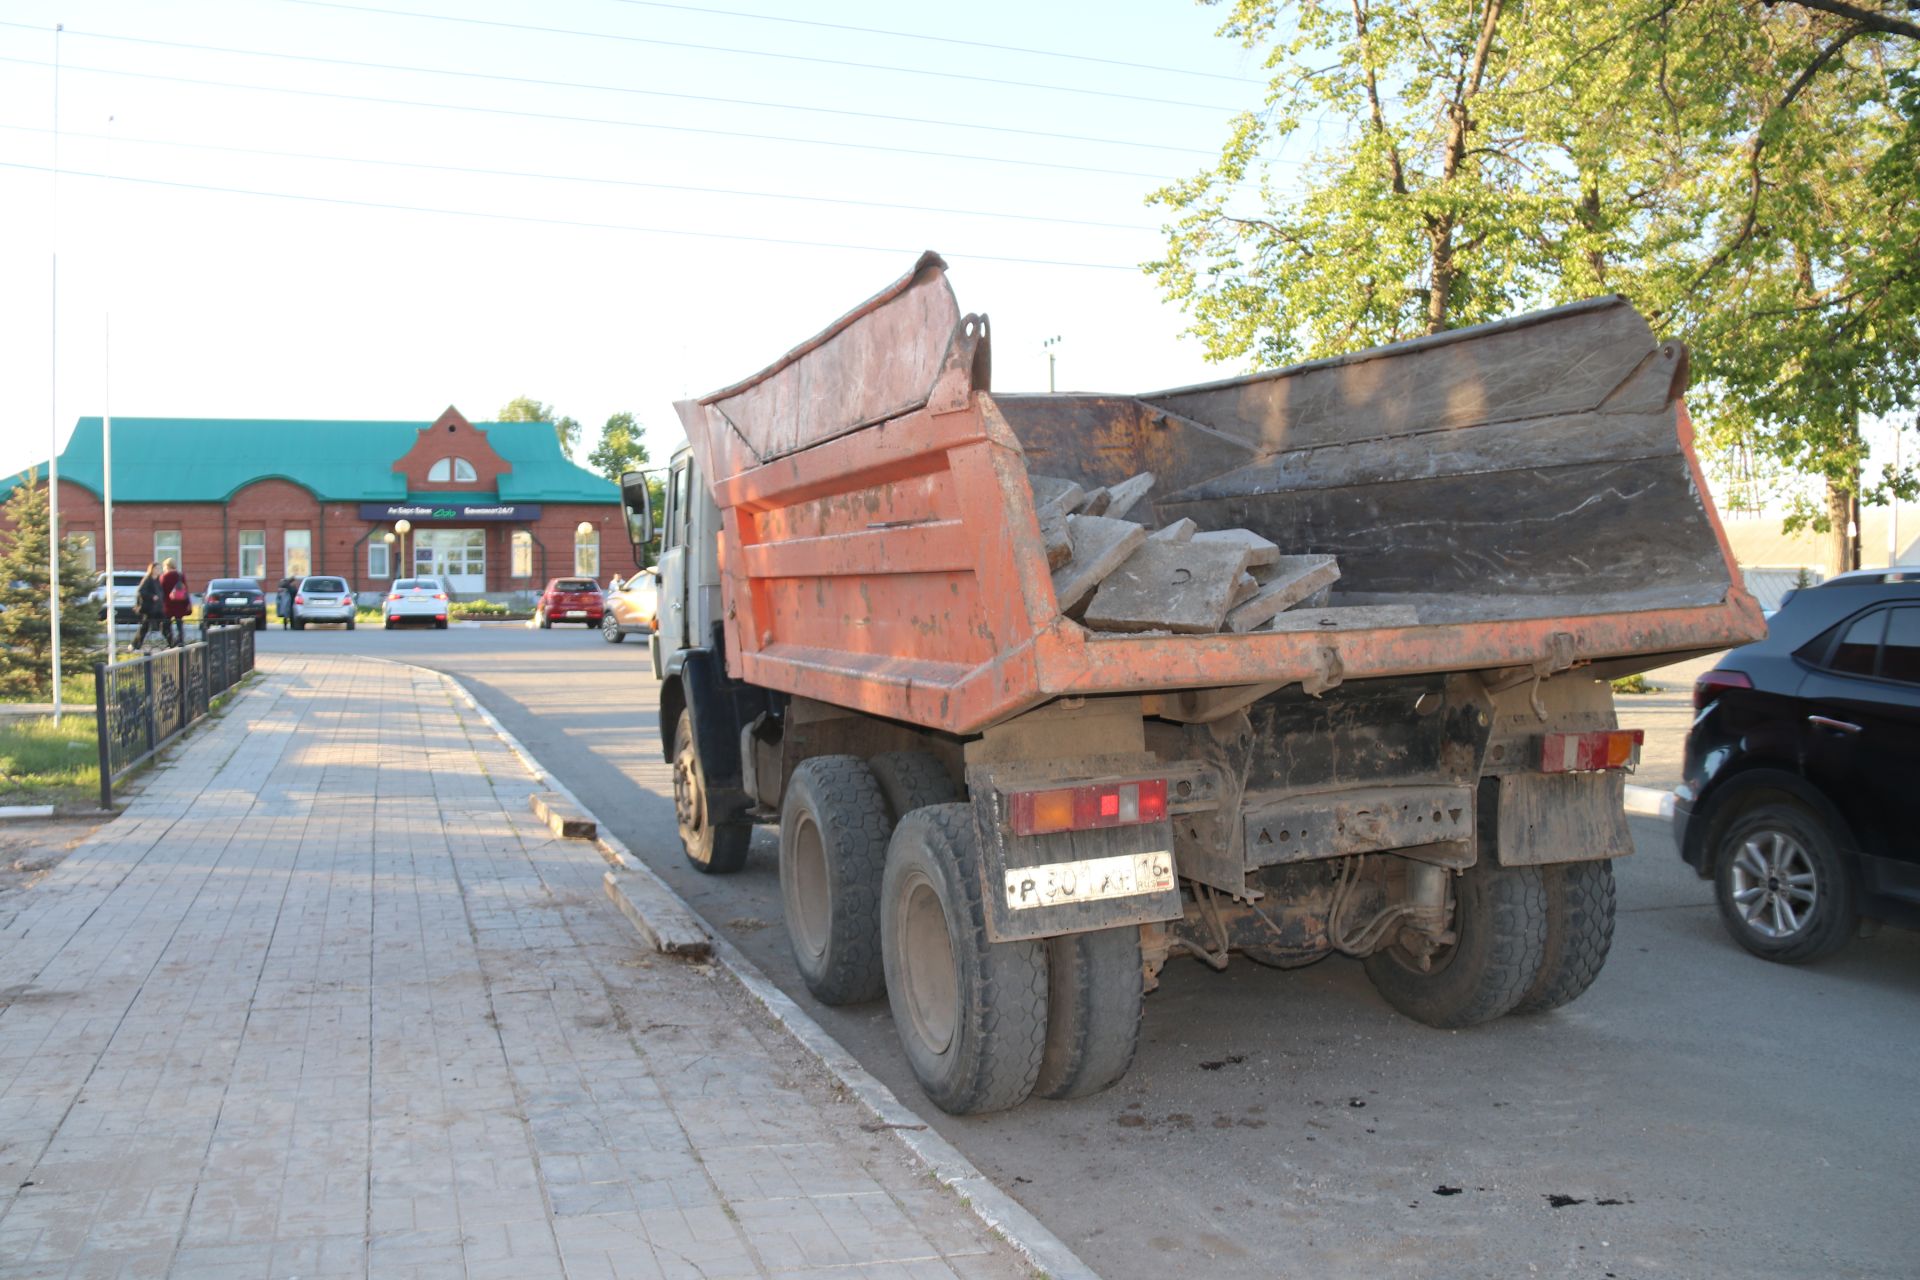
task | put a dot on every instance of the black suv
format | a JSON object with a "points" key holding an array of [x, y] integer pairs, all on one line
{"points": [[1802, 790]]}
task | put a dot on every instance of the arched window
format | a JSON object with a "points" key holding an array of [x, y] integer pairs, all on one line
{"points": [[456, 470], [586, 552]]}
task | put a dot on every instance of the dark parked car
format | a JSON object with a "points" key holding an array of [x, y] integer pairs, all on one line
{"points": [[1802, 788], [231, 600]]}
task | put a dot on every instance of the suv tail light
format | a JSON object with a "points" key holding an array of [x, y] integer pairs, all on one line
{"points": [[1110, 804], [1589, 752], [1708, 686], [299, 599], [393, 595], [439, 595]]}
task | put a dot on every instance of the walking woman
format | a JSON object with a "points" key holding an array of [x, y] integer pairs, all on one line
{"points": [[147, 603], [176, 600]]}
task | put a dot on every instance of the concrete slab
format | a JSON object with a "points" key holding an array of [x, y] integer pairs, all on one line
{"points": [[1181, 530], [1123, 497], [1260, 552], [1289, 581], [1183, 587], [1100, 546]]}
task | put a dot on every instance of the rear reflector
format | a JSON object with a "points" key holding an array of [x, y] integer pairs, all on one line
{"points": [[1708, 686], [1587, 752], [1107, 804]]}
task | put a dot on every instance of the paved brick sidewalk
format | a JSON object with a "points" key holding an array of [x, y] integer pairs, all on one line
{"points": [[327, 1001]]}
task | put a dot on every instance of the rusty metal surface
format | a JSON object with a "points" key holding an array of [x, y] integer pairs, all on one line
{"points": [[881, 551]]}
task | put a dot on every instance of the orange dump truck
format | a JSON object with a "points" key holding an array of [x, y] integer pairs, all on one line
{"points": [[1006, 822]]}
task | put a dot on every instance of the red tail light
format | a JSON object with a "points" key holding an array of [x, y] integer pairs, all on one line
{"points": [[1708, 686], [1111, 804], [439, 595], [1588, 752], [299, 599], [394, 596]]}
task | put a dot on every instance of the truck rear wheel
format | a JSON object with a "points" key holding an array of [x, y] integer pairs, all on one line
{"points": [[971, 1014], [833, 850], [912, 780], [1094, 992], [1500, 934], [1579, 933], [716, 848]]}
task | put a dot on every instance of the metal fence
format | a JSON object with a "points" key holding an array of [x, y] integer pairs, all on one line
{"points": [[140, 704]]}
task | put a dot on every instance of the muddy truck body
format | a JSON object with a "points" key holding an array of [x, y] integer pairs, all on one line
{"points": [[1006, 821]]}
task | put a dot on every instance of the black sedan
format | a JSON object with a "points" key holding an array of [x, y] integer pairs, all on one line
{"points": [[231, 600], [1802, 784]]}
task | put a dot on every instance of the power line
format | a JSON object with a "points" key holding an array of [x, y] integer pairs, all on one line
{"points": [[624, 124], [754, 53], [915, 35], [586, 178], [615, 88], [490, 215]]}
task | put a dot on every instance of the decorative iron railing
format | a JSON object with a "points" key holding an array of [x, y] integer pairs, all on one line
{"points": [[140, 704]]}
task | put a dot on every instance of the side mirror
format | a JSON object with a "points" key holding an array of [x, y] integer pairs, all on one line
{"points": [[638, 502]]}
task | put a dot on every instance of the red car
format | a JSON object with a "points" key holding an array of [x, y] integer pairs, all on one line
{"points": [[571, 600]]}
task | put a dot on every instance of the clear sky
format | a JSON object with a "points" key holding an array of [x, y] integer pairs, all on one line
{"points": [[603, 204]]}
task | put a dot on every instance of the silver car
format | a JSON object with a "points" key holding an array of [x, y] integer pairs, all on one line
{"points": [[322, 600]]}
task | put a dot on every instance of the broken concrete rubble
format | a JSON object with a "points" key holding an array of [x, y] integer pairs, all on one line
{"points": [[1184, 587]]}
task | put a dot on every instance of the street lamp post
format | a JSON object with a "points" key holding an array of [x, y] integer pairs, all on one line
{"points": [[402, 527], [1047, 345]]}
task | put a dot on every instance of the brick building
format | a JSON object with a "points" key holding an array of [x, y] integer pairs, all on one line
{"points": [[495, 508]]}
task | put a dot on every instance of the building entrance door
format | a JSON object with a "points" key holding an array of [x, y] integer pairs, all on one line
{"points": [[458, 557]]}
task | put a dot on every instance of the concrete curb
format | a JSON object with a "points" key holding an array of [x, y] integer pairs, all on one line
{"points": [[1649, 802], [25, 811], [1001, 1213]]}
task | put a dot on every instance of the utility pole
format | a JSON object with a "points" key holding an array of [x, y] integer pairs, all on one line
{"points": [[1048, 345]]}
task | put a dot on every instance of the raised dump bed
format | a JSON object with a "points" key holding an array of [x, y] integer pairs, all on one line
{"points": [[1520, 495]]}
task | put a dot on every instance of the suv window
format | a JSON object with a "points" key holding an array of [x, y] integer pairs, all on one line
{"points": [[323, 584], [1859, 645], [1900, 659]]}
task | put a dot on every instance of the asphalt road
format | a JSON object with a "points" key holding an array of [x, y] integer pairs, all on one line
{"points": [[1698, 1113]]}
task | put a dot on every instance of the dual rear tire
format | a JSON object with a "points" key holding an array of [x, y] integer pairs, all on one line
{"points": [[880, 875]]}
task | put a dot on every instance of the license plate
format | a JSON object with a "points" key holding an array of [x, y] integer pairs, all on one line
{"points": [[236, 599], [1089, 880], [574, 613]]}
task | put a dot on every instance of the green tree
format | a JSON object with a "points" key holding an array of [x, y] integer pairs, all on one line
{"points": [[26, 627], [620, 448], [527, 409], [1735, 168]]}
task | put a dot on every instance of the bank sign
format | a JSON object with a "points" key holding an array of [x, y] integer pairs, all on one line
{"points": [[450, 512]]}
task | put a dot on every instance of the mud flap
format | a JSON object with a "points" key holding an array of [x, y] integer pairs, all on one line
{"points": [[1530, 819], [1070, 881]]}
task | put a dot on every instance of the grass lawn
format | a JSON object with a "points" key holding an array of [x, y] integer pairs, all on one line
{"points": [[45, 763]]}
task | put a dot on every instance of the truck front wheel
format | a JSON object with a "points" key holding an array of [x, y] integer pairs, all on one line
{"points": [[1500, 936], [1094, 991], [971, 1014], [833, 849], [716, 848], [1579, 933]]}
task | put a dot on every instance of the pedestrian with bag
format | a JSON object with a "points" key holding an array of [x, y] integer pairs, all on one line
{"points": [[148, 604], [176, 600]]}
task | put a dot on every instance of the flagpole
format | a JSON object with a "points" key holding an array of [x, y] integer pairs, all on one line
{"points": [[53, 392], [106, 479]]}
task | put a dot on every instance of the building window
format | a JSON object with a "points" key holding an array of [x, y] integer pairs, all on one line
{"points": [[522, 554], [166, 546], [457, 470], [299, 544], [253, 553], [82, 542], [586, 553], [378, 564]]}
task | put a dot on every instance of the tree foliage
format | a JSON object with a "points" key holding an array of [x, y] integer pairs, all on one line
{"points": [[26, 626], [1744, 172], [620, 449], [527, 409]]}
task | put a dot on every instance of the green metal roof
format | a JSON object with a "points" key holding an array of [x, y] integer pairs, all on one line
{"points": [[208, 459]]}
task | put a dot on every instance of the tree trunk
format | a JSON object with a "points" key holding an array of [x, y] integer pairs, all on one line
{"points": [[1843, 538]]}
